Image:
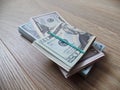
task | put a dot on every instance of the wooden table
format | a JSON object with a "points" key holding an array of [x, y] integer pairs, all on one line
{"points": [[22, 67]]}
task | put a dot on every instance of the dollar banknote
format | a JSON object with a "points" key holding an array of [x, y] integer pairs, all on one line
{"points": [[28, 32], [53, 22], [99, 46], [85, 72], [65, 53], [46, 22]]}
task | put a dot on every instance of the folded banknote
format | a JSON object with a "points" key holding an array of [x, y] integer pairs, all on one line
{"points": [[67, 55]]}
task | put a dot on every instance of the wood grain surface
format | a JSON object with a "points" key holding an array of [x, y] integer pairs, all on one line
{"points": [[12, 77], [22, 67]]}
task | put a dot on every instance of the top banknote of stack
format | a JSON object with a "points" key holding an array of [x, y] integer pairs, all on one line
{"points": [[61, 42]]}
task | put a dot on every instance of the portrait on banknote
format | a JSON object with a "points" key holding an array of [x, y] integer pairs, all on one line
{"points": [[82, 36]]}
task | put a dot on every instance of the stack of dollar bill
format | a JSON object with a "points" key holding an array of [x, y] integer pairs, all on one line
{"points": [[72, 49]]}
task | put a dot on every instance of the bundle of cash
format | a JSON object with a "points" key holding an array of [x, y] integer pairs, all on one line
{"points": [[70, 48]]}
